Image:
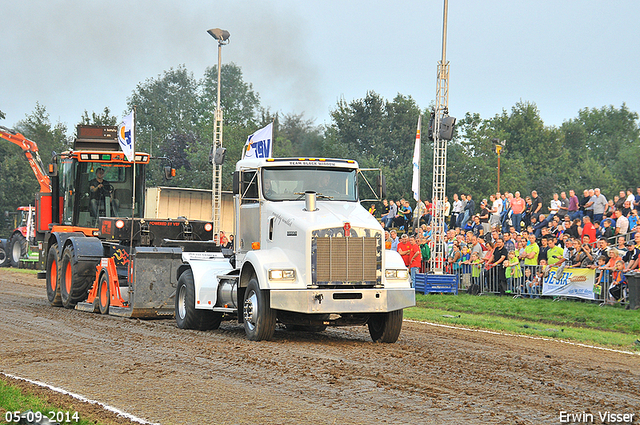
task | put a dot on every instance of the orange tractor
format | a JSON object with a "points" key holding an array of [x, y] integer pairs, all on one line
{"points": [[96, 250]]}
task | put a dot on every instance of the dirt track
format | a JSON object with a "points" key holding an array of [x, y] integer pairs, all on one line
{"points": [[156, 371]]}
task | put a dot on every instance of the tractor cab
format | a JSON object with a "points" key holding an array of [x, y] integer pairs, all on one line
{"points": [[99, 184]]}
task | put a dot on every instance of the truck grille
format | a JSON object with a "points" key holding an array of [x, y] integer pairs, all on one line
{"points": [[346, 261]]}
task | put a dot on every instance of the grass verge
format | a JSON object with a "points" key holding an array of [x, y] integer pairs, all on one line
{"points": [[16, 399], [582, 322]]}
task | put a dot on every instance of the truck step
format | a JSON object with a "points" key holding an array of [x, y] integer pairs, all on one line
{"points": [[225, 310]]}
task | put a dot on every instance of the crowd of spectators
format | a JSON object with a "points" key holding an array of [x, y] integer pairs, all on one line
{"points": [[517, 240]]}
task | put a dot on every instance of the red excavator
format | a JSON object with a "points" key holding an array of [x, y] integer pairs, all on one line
{"points": [[18, 245]]}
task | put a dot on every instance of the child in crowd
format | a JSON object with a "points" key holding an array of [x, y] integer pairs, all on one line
{"points": [[476, 268], [618, 283], [525, 288], [536, 284], [601, 272], [513, 272]]}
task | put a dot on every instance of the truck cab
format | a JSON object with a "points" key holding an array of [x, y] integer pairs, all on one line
{"points": [[307, 254]]}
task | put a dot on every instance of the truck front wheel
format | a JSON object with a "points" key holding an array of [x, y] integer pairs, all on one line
{"points": [[259, 317], [385, 327]]}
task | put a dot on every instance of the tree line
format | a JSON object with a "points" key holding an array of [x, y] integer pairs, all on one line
{"points": [[599, 147]]}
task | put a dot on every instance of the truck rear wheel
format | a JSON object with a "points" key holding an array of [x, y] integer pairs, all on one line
{"points": [[17, 248], [385, 327], [53, 280], [73, 284], [187, 316], [259, 317]]}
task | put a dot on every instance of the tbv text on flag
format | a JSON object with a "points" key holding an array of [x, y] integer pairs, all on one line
{"points": [[259, 144], [125, 136]]}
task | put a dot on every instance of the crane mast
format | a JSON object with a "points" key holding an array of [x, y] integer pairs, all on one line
{"points": [[31, 152], [439, 187]]}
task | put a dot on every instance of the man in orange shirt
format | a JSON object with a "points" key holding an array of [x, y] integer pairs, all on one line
{"points": [[517, 208], [404, 249], [415, 260], [588, 231]]}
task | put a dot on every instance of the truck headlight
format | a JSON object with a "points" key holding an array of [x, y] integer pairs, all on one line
{"points": [[282, 274], [400, 274]]}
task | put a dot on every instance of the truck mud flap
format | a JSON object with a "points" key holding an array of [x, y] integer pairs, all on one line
{"points": [[153, 289]]}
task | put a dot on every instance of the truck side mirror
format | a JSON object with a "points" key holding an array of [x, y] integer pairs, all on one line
{"points": [[53, 170], [236, 182], [169, 172]]}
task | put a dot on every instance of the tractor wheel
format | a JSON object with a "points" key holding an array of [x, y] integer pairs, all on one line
{"points": [[17, 248], [73, 285], [259, 318], [53, 279], [385, 327], [4, 256], [187, 316], [104, 294]]}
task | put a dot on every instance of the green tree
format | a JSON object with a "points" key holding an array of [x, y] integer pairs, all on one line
{"points": [[18, 184], [608, 140], [176, 103], [297, 136], [239, 103], [377, 133], [164, 106], [106, 118]]}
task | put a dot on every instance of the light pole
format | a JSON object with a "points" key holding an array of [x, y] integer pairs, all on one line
{"points": [[499, 146], [222, 36]]}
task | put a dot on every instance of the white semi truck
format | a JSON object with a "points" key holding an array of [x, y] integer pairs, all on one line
{"points": [[306, 254]]}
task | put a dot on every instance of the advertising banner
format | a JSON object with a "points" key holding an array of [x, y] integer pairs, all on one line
{"points": [[576, 283]]}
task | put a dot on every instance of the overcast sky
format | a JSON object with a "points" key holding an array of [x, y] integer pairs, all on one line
{"points": [[303, 56]]}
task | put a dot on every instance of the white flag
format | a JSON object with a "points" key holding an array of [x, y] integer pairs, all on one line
{"points": [[259, 144], [415, 184], [125, 136]]}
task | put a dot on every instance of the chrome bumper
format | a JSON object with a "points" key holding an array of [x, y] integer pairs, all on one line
{"points": [[366, 300]]}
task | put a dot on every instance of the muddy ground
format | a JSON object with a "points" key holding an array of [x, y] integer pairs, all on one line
{"points": [[156, 371]]}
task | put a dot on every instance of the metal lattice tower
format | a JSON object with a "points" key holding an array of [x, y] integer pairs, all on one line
{"points": [[222, 37], [216, 203], [438, 254]]}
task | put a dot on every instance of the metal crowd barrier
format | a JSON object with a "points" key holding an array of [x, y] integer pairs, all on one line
{"points": [[525, 286]]}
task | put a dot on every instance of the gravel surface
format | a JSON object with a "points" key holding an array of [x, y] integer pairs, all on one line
{"points": [[153, 370]]}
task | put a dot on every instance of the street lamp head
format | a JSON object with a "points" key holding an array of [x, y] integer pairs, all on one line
{"points": [[221, 35]]}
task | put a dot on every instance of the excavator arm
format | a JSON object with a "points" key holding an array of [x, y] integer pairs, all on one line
{"points": [[30, 150]]}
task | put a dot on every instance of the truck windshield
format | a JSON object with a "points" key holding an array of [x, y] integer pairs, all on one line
{"points": [[289, 183]]}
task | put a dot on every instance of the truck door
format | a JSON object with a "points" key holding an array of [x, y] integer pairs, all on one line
{"points": [[249, 211]]}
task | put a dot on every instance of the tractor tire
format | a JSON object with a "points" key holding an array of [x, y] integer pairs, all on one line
{"points": [[104, 294], [259, 317], [4, 255], [53, 277], [17, 248], [74, 286], [187, 316], [385, 327]]}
